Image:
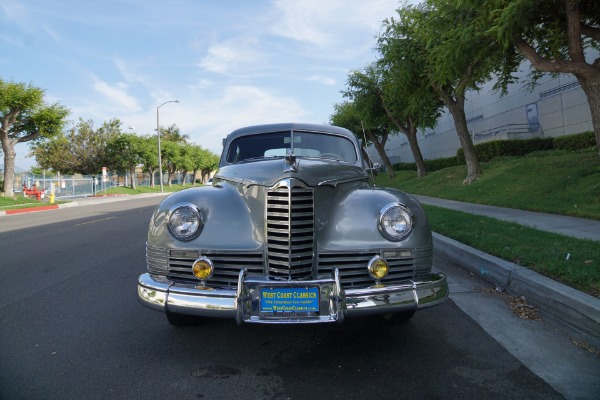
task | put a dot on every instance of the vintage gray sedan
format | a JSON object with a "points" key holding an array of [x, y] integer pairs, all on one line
{"points": [[290, 231]]}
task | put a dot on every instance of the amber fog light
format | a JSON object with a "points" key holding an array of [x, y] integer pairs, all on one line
{"points": [[203, 268], [378, 268]]}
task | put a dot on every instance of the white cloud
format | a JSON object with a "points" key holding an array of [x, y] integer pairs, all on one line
{"points": [[323, 79], [118, 95], [233, 56], [326, 24], [14, 10]]}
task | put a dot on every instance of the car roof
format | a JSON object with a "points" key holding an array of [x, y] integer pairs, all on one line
{"points": [[288, 126]]}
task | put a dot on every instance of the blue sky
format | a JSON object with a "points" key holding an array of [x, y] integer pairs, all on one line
{"points": [[229, 63]]}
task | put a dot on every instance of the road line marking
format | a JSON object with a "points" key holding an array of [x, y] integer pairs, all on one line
{"points": [[96, 220]]}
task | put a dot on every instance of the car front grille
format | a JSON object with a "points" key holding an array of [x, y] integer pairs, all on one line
{"points": [[290, 230], [227, 265], [352, 266]]}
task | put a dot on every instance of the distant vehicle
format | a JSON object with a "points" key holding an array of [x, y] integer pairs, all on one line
{"points": [[209, 182], [290, 232]]}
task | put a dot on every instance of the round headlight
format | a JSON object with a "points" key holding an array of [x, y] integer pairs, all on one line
{"points": [[395, 222], [185, 222]]}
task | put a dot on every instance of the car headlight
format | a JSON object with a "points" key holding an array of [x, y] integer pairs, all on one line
{"points": [[185, 222], [395, 222]]}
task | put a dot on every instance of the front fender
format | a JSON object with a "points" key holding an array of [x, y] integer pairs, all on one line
{"points": [[352, 220], [232, 219]]}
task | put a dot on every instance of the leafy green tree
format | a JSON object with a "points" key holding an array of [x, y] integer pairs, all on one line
{"points": [[25, 117], [125, 153], [185, 162], [458, 54], [169, 154], [173, 134], [364, 91], [55, 154], [408, 98], [149, 155], [82, 149], [346, 116], [210, 163], [554, 36]]}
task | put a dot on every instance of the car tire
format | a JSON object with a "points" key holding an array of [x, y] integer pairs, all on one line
{"points": [[182, 320], [400, 318]]}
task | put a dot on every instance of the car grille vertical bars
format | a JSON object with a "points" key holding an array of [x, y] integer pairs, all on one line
{"points": [[290, 230]]}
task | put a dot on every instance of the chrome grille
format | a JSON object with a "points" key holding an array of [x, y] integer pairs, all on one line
{"points": [[156, 260], [353, 267], [227, 265], [290, 230]]}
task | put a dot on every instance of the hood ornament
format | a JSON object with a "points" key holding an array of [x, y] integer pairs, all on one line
{"points": [[292, 165]]}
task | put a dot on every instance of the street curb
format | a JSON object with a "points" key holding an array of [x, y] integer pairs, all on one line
{"points": [[37, 209], [577, 309]]}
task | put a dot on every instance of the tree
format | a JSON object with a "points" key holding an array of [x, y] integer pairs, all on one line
{"points": [[82, 149], [553, 35], [25, 117], [409, 99], [364, 91], [149, 155], [169, 154], [202, 160], [346, 116], [173, 134], [185, 162], [125, 153], [211, 163], [458, 54]]}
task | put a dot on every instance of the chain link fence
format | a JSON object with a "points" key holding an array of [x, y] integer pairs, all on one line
{"points": [[64, 186]]}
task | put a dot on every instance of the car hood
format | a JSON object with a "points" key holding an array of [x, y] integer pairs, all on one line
{"points": [[310, 171]]}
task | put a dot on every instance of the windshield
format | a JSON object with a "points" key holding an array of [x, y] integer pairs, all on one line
{"points": [[302, 144]]}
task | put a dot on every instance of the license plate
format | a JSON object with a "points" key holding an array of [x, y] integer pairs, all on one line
{"points": [[289, 301]]}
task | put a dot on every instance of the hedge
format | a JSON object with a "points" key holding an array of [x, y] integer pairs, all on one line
{"points": [[501, 148], [575, 142]]}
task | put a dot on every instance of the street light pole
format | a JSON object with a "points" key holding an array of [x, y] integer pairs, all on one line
{"points": [[160, 177]]}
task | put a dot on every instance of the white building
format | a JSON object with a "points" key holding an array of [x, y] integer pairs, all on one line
{"points": [[555, 107]]}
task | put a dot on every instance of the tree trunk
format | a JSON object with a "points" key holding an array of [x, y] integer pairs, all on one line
{"points": [[591, 87], [460, 123], [381, 151], [9, 166], [183, 176], [132, 174], [411, 134], [366, 157], [152, 181]]}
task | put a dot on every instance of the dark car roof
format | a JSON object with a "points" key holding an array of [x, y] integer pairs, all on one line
{"points": [[288, 126]]}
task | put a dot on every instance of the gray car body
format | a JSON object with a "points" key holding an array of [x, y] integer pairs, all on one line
{"points": [[346, 212]]}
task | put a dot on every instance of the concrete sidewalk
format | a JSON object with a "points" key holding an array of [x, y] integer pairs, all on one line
{"points": [[80, 201], [555, 300], [571, 226]]}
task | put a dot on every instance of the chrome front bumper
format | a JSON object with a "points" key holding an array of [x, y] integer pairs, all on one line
{"points": [[335, 303]]}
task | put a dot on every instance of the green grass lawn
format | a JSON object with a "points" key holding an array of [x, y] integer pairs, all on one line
{"points": [[7, 203], [551, 182], [557, 183], [574, 262], [144, 189]]}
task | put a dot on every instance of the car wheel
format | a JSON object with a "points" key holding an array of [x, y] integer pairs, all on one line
{"points": [[182, 319], [399, 317]]}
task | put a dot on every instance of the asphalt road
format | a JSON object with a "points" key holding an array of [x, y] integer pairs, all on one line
{"points": [[71, 328]]}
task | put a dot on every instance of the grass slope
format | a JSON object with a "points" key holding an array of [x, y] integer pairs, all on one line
{"points": [[551, 182]]}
